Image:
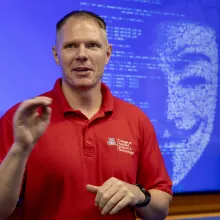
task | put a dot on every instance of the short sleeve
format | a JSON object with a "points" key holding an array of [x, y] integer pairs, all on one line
{"points": [[152, 172]]}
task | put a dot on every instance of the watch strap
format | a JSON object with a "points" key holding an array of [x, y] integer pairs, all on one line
{"points": [[147, 196]]}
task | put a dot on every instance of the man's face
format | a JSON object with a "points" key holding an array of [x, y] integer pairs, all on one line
{"points": [[189, 58], [82, 51]]}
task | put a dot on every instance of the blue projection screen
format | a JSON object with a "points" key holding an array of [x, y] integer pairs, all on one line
{"points": [[165, 60]]}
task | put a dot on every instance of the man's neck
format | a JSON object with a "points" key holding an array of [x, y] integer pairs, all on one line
{"points": [[87, 101]]}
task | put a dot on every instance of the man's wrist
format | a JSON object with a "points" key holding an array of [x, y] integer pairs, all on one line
{"points": [[145, 198], [141, 196], [17, 149]]}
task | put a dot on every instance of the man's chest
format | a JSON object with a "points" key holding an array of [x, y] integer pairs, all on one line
{"points": [[81, 153]]}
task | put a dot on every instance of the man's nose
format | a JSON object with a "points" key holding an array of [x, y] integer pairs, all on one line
{"points": [[82, 53]]}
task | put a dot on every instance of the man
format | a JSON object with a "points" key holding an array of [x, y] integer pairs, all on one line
{"points": [[78, 152]]}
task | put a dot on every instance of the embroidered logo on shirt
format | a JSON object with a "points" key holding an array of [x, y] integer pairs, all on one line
{"points": [[122, 146], [111, 141]]}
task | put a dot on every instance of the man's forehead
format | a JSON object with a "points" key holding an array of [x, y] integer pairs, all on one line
{"points": [[73, 25], [76, 21]]}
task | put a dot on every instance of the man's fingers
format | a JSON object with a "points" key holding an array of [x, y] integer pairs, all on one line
{"points": [[46, 113], [102, 190], [112, 202], [35, 103], [31, 105], [93, 189], [107, 196], [120, 205]]}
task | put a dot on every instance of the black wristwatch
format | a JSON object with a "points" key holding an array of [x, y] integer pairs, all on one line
{"points": [[147, 196]]}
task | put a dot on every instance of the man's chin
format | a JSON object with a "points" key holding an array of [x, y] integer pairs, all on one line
{"points": [[85, 86], [82, 84]]}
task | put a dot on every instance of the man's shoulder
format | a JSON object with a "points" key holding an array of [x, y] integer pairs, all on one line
{"points": [[128, 108], [132, 114]]}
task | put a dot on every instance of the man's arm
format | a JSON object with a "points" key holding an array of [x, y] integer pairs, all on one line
{"points": [[26, 129], [11, 174], [153, 175], [158, 207]]}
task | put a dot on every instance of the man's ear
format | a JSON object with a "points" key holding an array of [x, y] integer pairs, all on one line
{"points": [[108, 54], [55, 55]]}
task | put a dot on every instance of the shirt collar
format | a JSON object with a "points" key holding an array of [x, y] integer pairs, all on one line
{"points": [[107, 103]]}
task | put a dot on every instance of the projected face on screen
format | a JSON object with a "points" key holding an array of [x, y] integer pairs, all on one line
{"points": [[189, 61]]}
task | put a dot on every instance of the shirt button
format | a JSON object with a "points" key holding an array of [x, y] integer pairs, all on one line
{"points": [[88, 142]]}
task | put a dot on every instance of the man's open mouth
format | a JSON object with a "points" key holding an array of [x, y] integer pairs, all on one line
{"points": [[81, 69]]}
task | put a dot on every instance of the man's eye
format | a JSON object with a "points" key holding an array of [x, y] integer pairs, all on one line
{"points": [[93, 45], [70, 46]]}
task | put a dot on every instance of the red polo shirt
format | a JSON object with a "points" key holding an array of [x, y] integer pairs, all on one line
{"points": [[119, 141]]}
